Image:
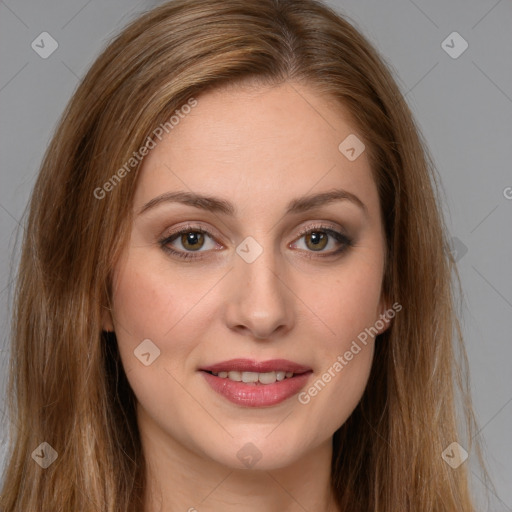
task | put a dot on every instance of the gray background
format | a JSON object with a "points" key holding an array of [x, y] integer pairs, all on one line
{"points": [[463, 107]]}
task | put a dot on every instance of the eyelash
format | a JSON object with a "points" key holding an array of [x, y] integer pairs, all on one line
{"points": [[339, 237]]}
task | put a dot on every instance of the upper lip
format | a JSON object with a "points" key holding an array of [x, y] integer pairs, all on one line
{"points": [[249, 365]]}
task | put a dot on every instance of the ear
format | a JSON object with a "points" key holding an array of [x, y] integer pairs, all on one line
{"points": [[385, 314], [106, 320]]}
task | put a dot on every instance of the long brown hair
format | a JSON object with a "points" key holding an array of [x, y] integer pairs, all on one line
{"points": [[67, 386]]}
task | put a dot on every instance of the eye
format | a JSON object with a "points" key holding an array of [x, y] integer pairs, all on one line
{"points": [[317, 238], [191, 238]]}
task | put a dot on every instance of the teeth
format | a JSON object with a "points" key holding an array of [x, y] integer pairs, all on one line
{"points": [[254, 377], [249, 377], [267, 378]]}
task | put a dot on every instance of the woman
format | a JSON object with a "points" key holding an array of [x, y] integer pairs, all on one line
{"points": [[234, 290]]}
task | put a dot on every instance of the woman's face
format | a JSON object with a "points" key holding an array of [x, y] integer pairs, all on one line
{"points": [[251, 297]]}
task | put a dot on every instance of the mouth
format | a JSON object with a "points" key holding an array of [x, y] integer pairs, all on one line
{"points": [[255, 378], [256, 384]]}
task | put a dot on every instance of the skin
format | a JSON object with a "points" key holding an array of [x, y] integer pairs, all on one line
{"points": [[257, 147]]}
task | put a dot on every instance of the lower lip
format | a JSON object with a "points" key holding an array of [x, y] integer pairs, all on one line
{"points": [[256, 395]]}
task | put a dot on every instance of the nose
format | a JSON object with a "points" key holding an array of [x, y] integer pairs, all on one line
{"points": [[259, 302]]}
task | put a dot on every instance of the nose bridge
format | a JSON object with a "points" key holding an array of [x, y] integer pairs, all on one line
{"points": [[260, 276], [258, 271]]}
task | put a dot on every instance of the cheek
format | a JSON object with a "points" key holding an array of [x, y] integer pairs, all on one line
{"points": [[346, 302], [149, 303], [345, 353], [344, 312], [152, 304], [150, 295]]}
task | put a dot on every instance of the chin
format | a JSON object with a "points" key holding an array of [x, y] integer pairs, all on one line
{"points": [[262, 452]]}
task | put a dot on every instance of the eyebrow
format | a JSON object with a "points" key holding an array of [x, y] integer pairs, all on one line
{"points": [[218, 205]]}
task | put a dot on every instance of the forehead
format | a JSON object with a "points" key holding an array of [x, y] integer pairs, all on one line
{"points": [[253, 143]]}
